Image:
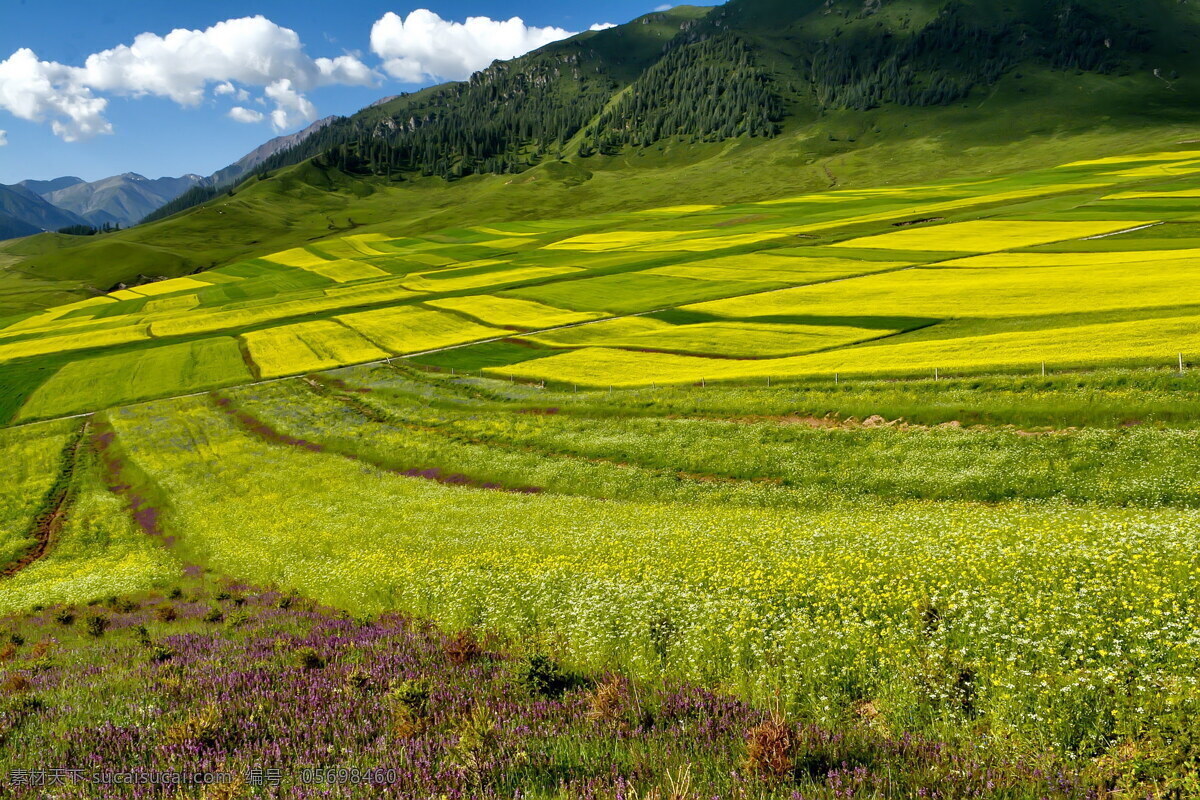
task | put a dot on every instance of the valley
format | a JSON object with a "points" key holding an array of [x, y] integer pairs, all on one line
{"points": [[768, 400]]}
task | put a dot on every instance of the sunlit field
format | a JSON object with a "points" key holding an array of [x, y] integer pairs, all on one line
{"points": [[900, 483], [898, 281]]}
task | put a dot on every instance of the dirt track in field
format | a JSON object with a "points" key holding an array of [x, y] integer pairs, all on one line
{"points": [[48, 523]]}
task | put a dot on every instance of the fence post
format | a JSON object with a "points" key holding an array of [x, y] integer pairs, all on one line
{"points": [[1043, 369], [935, 373], [768, 381], [836, 379], [1181, 363]]}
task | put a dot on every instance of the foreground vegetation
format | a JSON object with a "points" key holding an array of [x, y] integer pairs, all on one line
{"points": [[388, 707], [1013, 594]]}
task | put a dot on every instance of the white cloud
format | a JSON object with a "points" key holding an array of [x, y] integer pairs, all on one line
{"points": [[664, 7], [227, 88], [3, 138], [36, 90], [602, 26], [425, 46], [291, 107], [249, 115], [251, 51]]}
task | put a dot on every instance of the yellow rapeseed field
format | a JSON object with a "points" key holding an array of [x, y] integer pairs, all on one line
{"points": [[409, 329], [514, 313], [985, 236], [308, 346]]}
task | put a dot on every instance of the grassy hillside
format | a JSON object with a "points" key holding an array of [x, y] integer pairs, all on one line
{"points": [[1041, 103]]}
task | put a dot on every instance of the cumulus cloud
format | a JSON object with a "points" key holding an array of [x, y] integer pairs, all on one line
{"points": [[3, 138], [36, 90], [602, 26], [236, 53], [291, 107], [227, 88], [247, 115], [424, 46]]}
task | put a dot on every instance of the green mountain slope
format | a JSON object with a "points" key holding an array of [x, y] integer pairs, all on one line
{"points": [[752, 100]]}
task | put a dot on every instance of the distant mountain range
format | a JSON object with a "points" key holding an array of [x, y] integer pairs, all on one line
{"points": [[24, 212], [33, 206]]}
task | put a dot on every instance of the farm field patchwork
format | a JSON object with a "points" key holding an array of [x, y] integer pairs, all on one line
{"points": [[918, 253], [732, 339], [510, 312]]}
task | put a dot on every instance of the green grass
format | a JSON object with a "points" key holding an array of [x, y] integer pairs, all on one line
{"points": [[104, 381]]}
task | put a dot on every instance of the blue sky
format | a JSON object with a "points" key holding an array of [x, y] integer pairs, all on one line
{"points": [[158, 128]]}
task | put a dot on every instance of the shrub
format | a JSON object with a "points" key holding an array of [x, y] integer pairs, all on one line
{"points": [[409, 701], [142, 635], [166, 612], [462, 648], [97, 624], [202, 727], [14, 685], [160, 653], [769, 749], [542, 676], [214, 614], [122, 605], [64, 616], [308, 658]]}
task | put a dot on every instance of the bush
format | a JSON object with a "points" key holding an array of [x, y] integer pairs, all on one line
{"points": [[409, 701], [97, 624], [214, 614], [166, 612], [122, 605], [542, 676], [64, 616], [308, 658]]}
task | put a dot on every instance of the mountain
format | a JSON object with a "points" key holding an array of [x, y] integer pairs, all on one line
{"points": [[754, 68], [753, 100], [120, 200], [23, 213], [224, 179], [246, 164], [45, 187]]}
